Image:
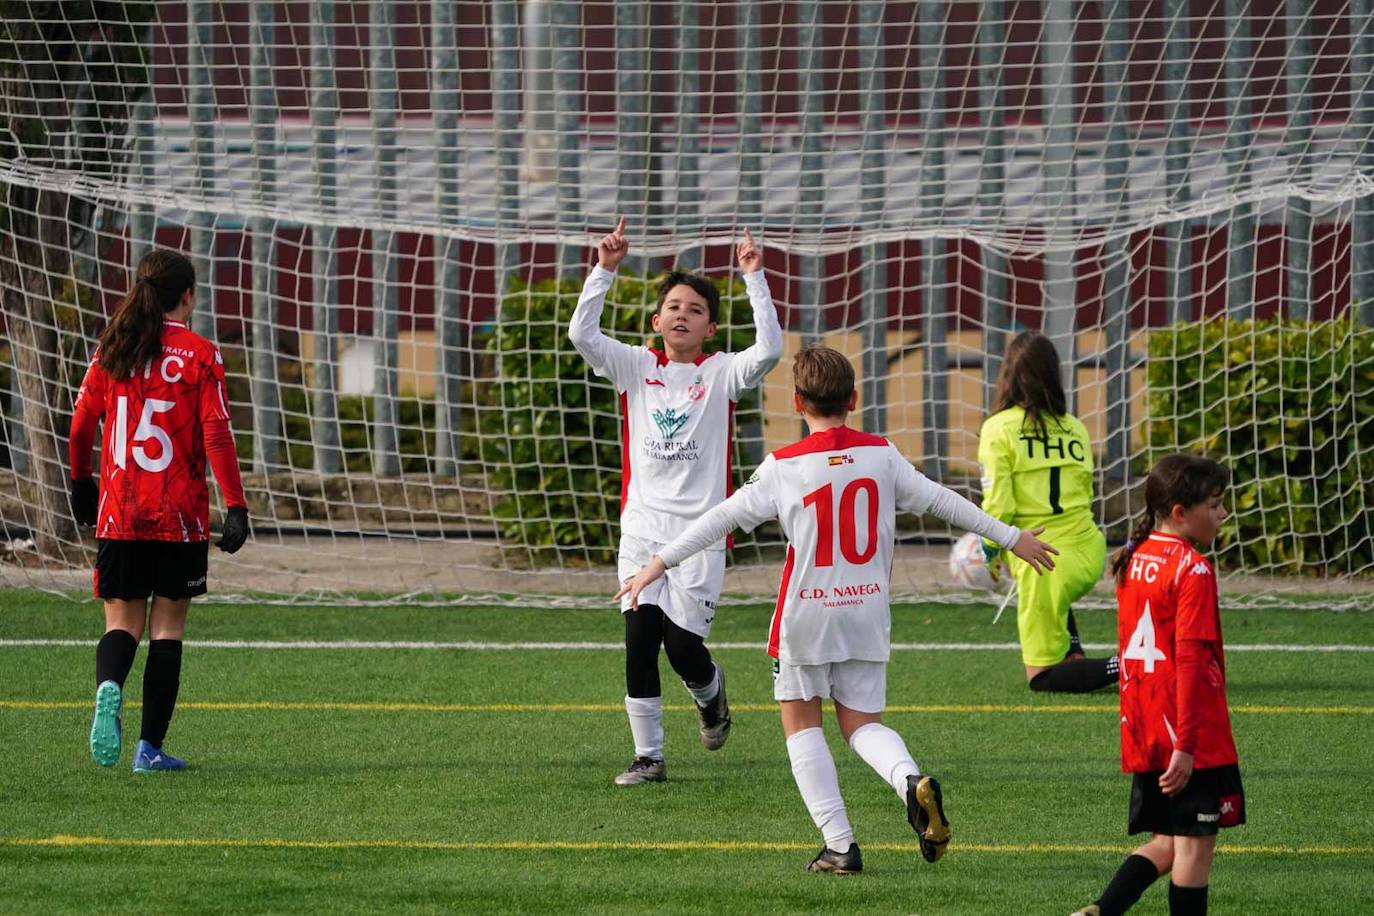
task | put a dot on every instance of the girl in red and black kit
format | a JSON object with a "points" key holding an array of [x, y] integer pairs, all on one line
{"points": [[160, 388], [1175, 728]]}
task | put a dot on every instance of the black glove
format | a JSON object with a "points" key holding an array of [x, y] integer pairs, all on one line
{"points": [[85, 500], [235, 529]]}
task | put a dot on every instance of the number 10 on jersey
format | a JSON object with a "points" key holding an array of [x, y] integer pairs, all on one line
{"points": [[823, 501]]}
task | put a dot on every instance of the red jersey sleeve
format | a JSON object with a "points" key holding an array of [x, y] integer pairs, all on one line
{"points": [[219, 441], [1192, 659], [214, 400], [89, 408], [1196, 614]]}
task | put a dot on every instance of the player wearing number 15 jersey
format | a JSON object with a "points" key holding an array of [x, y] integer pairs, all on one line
{"points": [[159, 388], [836, 494], [1175, 730]]}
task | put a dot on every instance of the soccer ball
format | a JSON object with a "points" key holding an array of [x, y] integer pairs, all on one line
{"points": [[968, 566]]}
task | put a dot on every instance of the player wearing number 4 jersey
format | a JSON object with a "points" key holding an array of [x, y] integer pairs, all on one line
{"points": [[160, 390], [1175, 730], [836, 494]]}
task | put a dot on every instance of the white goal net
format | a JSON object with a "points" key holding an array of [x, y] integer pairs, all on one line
{"points": [[392, 205]]}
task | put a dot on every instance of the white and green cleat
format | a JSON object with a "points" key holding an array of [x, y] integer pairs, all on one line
{"points": [[106, 725]]}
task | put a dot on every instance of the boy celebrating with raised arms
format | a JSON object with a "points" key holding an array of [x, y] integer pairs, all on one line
{"points": [[677, 408], [836, 494]]}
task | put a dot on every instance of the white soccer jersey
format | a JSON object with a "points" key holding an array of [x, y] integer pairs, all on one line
{"points": [[836, 494], [676, 418]]}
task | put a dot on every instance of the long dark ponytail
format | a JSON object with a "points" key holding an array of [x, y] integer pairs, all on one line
{"points": [[134, 335], [1178, 480], [1029, 379]]}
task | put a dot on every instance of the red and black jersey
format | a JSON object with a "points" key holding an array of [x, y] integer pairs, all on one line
{"points": [[160, 427], [1173, 670]]}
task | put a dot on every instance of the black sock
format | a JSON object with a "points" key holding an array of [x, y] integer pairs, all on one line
{"points": [[161, 679], [1076, 675], [1131, 880], [114, 656], [1075, 644], [1187, 901]]}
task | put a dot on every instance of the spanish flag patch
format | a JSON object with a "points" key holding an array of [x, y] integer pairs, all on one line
{"points": [[841, 459]]}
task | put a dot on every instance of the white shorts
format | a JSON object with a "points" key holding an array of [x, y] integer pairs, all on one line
{"points": [[859, 685], [687, 593]]}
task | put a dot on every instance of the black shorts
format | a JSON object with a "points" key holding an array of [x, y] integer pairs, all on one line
{"points": [[133, 570], [1212, 799]]}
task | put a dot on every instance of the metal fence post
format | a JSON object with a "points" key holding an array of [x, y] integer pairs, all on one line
{"points": [[262, 115], [872, 192], [324, 258], [1297, 142], [384, 102]]}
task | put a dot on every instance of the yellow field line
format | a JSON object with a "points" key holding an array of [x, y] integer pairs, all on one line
{"points": [[284, 706], [66, 841]]}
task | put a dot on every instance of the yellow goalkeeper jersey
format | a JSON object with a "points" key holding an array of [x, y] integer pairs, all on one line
{"points": [[1031, 480]]}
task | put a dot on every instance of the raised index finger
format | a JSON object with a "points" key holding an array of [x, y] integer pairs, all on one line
{"points": [[749, 237], [620, 227]]}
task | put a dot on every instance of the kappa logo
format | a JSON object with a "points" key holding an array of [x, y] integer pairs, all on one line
{"points": [[670, 421], [697, 390], [1201, 568], [1227, 807]]}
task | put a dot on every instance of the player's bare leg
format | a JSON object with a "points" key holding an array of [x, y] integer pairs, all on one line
{"points": [[1192, 866]]}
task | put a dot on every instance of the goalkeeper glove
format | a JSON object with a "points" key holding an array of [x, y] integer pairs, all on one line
{"points": [[85, 498], [235, 529]]}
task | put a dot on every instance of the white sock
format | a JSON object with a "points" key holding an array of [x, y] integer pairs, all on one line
{"points": [[704, 695], [814, 770], [646, 725], [885, 751]]}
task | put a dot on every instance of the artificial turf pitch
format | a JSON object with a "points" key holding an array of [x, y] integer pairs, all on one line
{"points": [[358, 780]]}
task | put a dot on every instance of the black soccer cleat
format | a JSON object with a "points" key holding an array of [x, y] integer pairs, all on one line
{"points": [[925, 812], [850, 862], [714, 719]]}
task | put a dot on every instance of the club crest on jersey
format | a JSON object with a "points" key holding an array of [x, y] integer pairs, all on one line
{"points": [[836, 460], [697, 390], [670, 421]]}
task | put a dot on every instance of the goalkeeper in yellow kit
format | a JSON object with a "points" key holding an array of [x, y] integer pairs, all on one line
{"points": [[1038, 471]]}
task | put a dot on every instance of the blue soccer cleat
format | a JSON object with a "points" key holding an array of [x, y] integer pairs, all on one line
{"points": [[149, 759], [105, 726]]}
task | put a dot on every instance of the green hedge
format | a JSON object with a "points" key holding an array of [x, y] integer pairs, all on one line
{"points": [[549, 428], [1289, 407]]}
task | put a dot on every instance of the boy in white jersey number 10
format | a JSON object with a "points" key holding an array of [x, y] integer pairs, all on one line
{"points": [[836, 494], [677, 407]]}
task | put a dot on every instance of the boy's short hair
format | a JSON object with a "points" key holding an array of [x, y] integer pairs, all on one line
{"points": [[824, 380], [702, 286]]}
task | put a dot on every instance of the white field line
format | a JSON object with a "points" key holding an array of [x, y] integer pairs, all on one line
{"points": [[471, 646]]}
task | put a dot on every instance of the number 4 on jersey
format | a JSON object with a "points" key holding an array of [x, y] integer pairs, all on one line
{"points": [[1142, 643]]}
